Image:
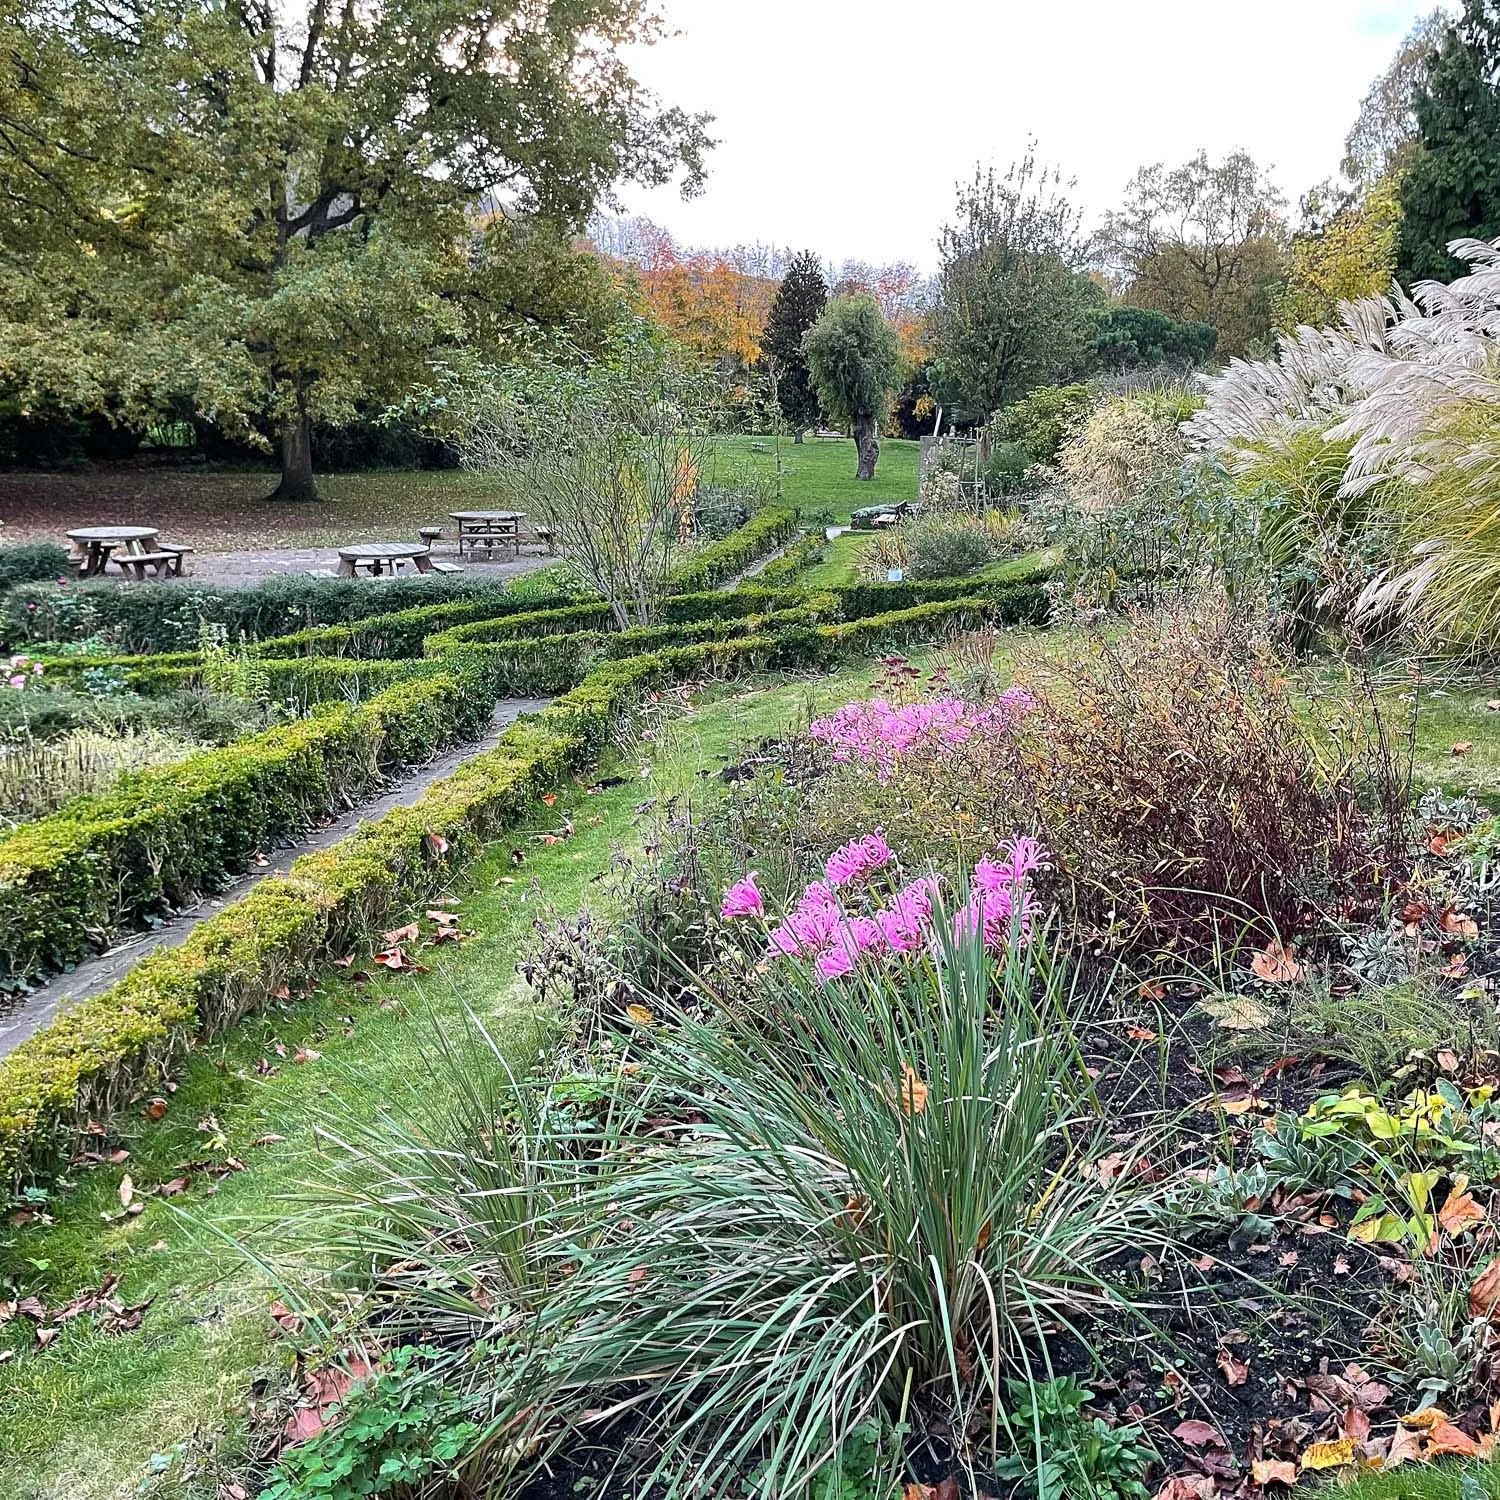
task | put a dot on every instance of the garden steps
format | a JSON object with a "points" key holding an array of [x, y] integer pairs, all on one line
{"points": [[31, 1013]]}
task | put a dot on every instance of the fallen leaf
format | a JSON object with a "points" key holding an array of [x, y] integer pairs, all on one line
{"points": [[127, 1191], [305, 1055], [641, 1015], [1236, 1013], [1196, 1434], [1273, 1471], [1188, 1487], [1140, 1034], [1461, 748], [1234, 1371], [1485, 1290], [172, 1188], [398, 935], [1276, 964], [304, 1423], [549, 799], [1444, 1437], [436, 843], [1460, 1213], [155, 1109], [443, 918], [913, 1092], [1458, 924], [1333, 1455]]}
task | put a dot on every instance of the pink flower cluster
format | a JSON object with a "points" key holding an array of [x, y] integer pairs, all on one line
{"points": [[858, 859], [20, 670], [822, 929], [1001, 895], [875, 731]]}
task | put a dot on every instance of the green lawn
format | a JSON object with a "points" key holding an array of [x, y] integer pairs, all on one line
{"points": [[227, 510], [82, 1418], [818, 475]]}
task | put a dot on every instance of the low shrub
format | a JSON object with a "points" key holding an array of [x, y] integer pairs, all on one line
{"points": [[33, 562], [720, 561], [105, 864], [1043, 421], [801, 555], [943, 545], [1180, 792]]}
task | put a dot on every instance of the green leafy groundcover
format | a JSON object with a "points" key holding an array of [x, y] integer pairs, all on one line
{"points": [[104, 863]]}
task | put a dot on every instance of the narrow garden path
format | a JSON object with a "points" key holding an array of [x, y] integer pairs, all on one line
{"points": [[41, 1006]]}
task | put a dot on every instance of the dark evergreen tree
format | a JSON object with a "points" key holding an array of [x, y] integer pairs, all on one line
{"points": [[1452, 188], [799, 304]]}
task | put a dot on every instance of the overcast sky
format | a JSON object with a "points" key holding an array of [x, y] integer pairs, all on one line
{"points": [[844, 124]]}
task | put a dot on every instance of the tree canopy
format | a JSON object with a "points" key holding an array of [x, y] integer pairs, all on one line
{"points": [[1451, 189], [267, 216], [855, 360], [1203, 242], [1010, 303], [799, 303]]}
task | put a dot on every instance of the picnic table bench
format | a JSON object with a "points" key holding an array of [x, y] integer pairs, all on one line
{"points": [[489, 529], [382, 557], [95, 547]]}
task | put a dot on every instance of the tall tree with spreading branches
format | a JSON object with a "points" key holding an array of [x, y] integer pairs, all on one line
{"points": [[855, 360], [264, 212], [1203, 242], [799, 303]]}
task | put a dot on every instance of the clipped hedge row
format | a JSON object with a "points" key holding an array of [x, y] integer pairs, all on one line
{"points": [[800, 555], [164, 616], [764, 532], [105, 864], [96, 1055], [31, 562]]}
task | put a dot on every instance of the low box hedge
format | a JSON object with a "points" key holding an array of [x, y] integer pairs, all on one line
{"points": [[764, 532], [165, 616], [97, 1054], [105, 864]]}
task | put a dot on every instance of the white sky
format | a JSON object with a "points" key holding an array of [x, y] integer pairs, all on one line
{"points": [[844, 124]]}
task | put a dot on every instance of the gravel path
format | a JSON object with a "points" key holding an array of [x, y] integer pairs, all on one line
{"points": [[30, 1013]]}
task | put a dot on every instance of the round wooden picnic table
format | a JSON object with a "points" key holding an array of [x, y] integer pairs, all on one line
{"points": [[97, 542], [383, 556]]}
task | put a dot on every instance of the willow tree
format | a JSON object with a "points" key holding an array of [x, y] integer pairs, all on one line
{"points": [[855, 360], [264, 213]]}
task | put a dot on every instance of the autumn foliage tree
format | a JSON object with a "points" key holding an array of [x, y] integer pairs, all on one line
{"points": [[855, 359]]}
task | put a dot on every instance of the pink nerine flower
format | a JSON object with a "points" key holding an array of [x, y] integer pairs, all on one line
{"points": [[879, 733], [743, 899], [905, 923], [858, 859], [1001, 898]]}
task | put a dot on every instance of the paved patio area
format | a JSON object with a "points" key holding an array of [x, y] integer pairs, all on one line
{"points": [[253, 566]]}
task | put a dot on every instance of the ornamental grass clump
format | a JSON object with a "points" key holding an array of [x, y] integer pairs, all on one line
{"points": [[846, 1202]]}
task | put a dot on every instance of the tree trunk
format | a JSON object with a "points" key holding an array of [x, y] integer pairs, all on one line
{"points": [[297, 481], [866, 446]]}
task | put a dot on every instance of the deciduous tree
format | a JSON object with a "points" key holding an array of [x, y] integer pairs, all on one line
{"points": [[1010, 303], [1203, 241], [855, 360], [266, 212]]}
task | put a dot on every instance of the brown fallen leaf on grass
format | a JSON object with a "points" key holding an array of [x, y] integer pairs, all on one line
{"points": [[1276, 964], [1188, 1487], [1485, 1291], [127, 1191], [155, 1108], [398, 935], [1460, 748]]}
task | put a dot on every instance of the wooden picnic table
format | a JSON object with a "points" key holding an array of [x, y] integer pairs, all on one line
{"points": [[490, 527], [95, 543], [382, 557]]}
